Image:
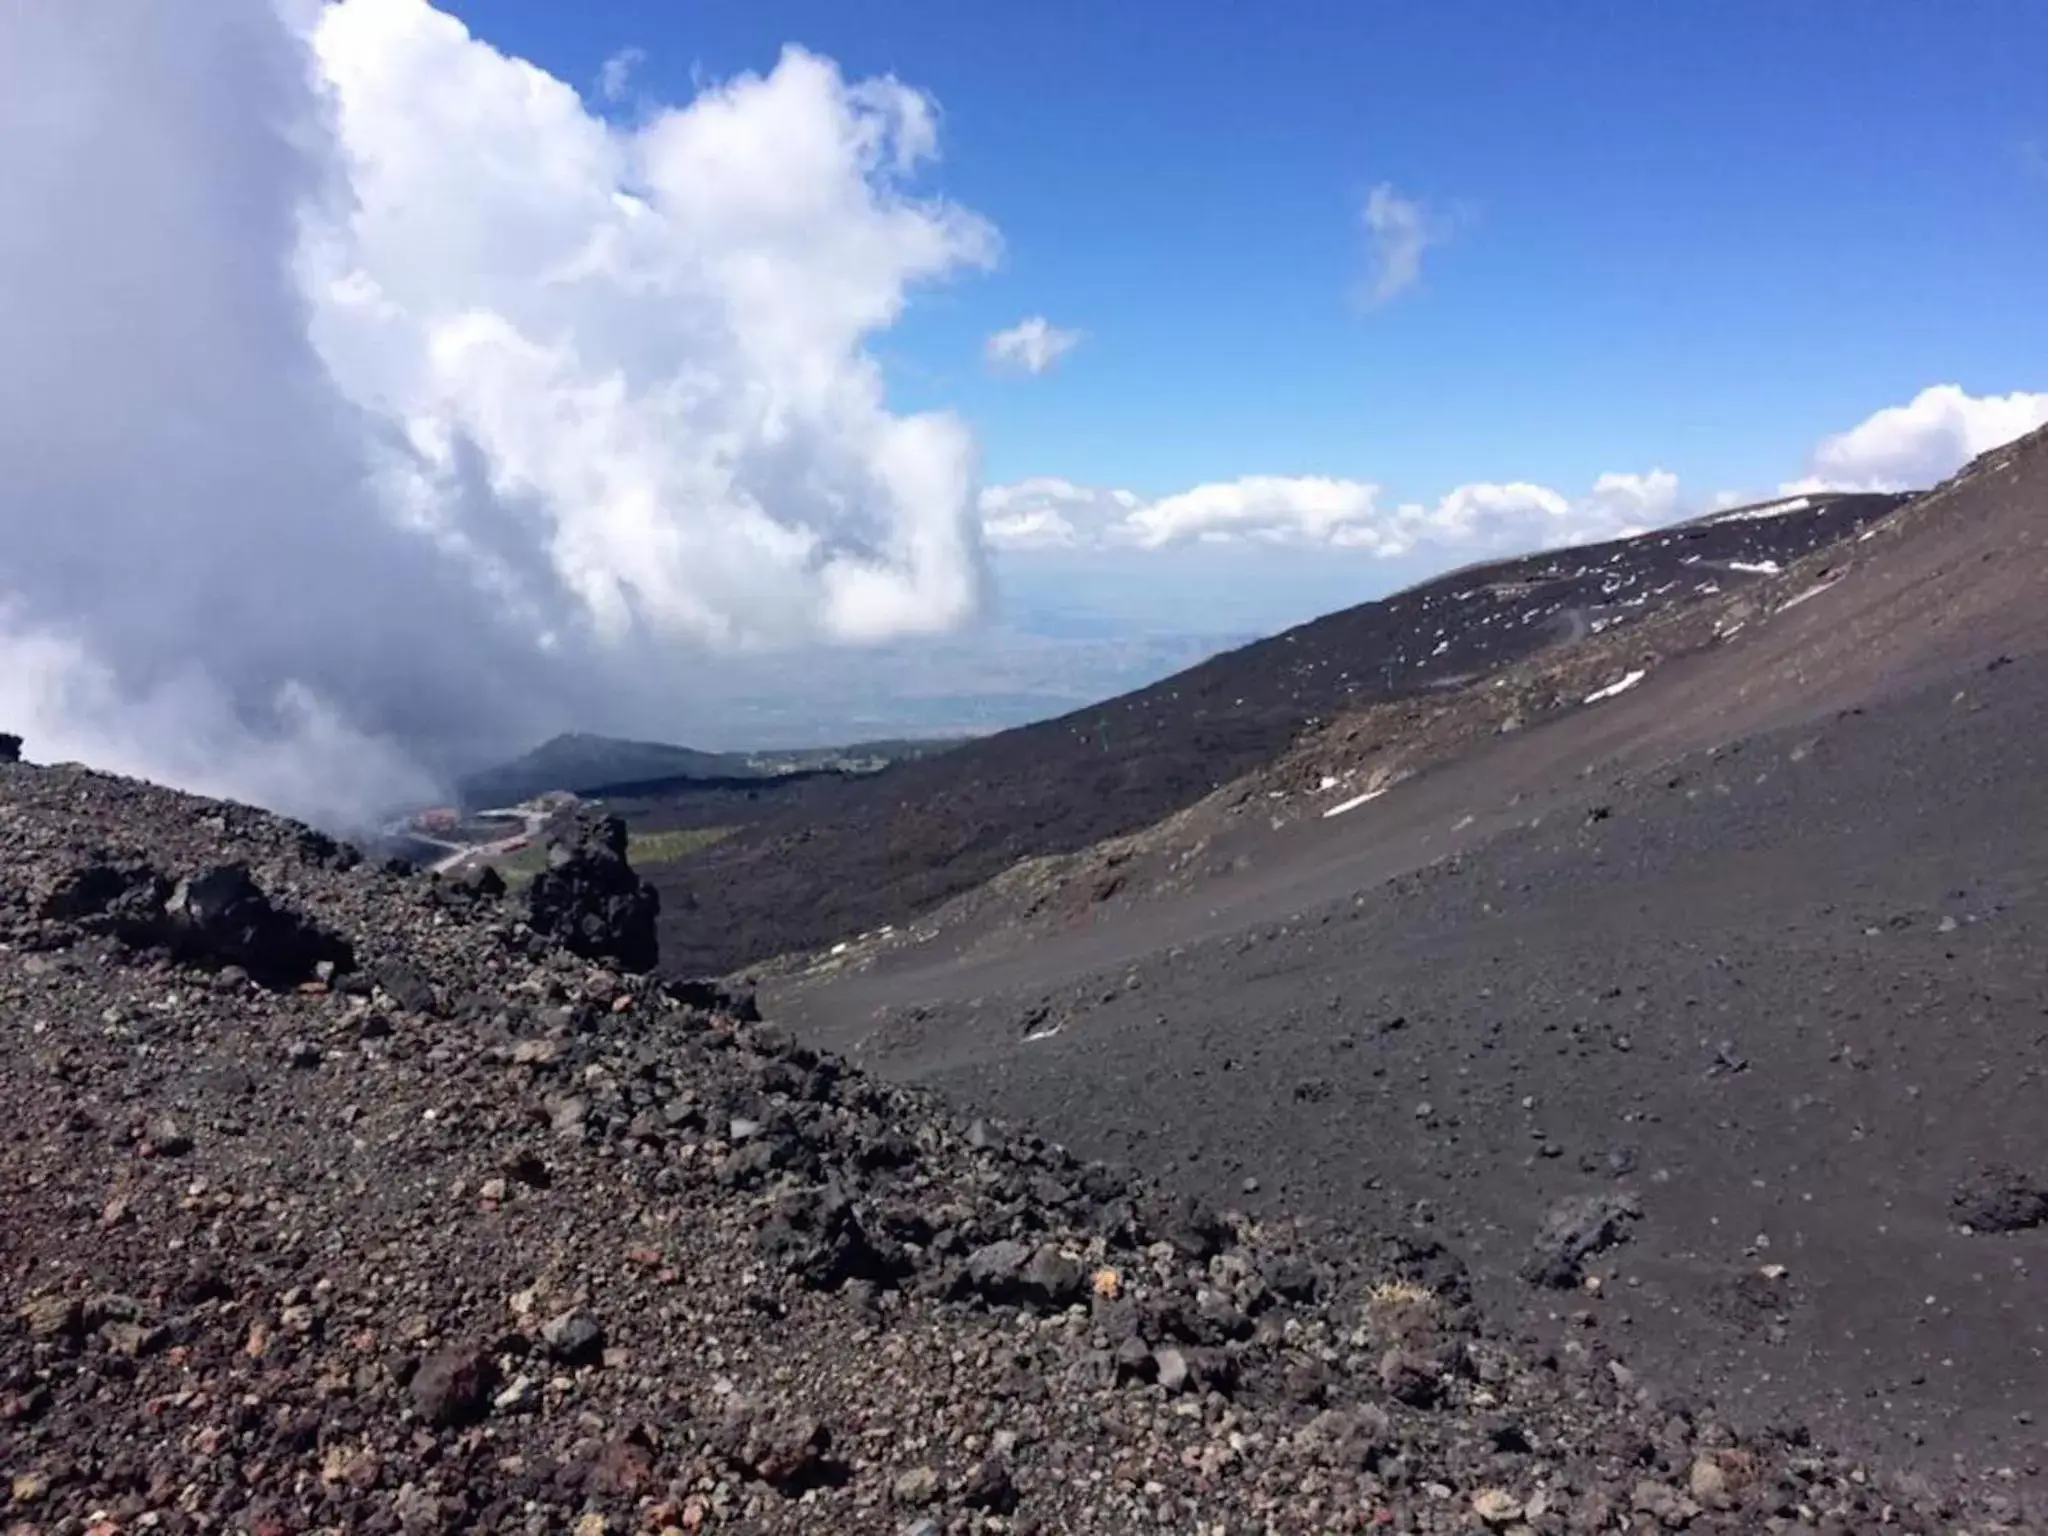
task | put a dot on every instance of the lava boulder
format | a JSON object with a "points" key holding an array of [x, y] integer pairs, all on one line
{"points": [[589, 900]]}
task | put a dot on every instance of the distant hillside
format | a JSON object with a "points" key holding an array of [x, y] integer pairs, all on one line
{"points": [[886, 848], [580, 762], [590, 764]]}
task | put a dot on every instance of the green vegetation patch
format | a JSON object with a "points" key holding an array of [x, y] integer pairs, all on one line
{"points": [[642, 849]]}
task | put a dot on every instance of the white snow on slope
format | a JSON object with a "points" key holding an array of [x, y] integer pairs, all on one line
{"points": [[1768, 509], [1612, 689], [1353, 803], [1792, 603]]}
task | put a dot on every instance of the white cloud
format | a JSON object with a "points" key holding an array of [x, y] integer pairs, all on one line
{"points": [[616, 73], [1915, 445], [1481, 515], [1050, 513], [1633, 503], [1032, 345], [1313, 511], [1295, 508], [362, 387], [1398, 231]]}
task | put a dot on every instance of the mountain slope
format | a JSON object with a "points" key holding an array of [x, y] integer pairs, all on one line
{"points": [[882, 851], [347, 1204], [1758, 945]]}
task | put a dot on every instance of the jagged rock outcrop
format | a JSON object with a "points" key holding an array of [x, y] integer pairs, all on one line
{"points": [[589, 900], [216, 916]]}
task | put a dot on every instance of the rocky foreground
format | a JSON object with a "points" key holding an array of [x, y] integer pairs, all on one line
{"points": [[345, 1199]]}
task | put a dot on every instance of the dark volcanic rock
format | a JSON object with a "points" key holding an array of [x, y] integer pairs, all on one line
{"points": [[323, 852], [96, 888], [786, 1451], [10, 747], [482, 882], [2000, 1200], [219, 916], [407, 984], [1573, 1231], [1192, 1227], [818, 1237], [1010, 1271], [454, 1387], [988, 1485], [574, 1339], [589, 899]]}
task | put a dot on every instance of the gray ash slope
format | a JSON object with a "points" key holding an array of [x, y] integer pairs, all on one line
{"points": [[442, 1227], [1758, 948], [854, 856]]}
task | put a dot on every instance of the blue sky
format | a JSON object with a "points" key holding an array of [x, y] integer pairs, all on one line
{"points": [[685, 369], [1691, 236]]}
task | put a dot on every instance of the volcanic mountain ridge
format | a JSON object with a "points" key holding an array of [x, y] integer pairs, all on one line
{"points": [[343, 1199], [854, 857], [1755, 945]]}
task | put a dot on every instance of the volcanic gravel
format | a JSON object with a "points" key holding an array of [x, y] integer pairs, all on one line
{"points": [[1708, 1015], [1788, 1000], [462, 1231], [846, 857]]}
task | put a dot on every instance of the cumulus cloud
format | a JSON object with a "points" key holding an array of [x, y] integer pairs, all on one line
{"points": [[369, 402], [1047, 512], [1399, 230], [1915, 445], [1633, 503], [615, 75], [1031, 346], [1908, 446], [1308, 508], [1314, 511]]}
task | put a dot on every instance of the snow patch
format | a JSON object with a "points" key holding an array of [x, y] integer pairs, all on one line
{"points": [[1794, 602], [1612, 689], [1756, 567], [1768, 509], [1353, 803]]}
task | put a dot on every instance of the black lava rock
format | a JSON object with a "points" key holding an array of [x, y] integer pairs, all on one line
{"points": [[2000, 1200], [816, 1236], [574, 1339], [220, 916], [454, 1387], [1575, 1230], [407, 984], [323, 852], [589, 900], [93, 889]]}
